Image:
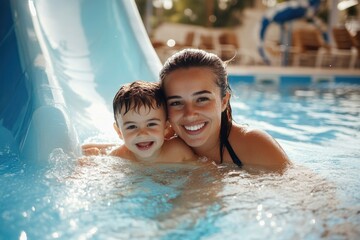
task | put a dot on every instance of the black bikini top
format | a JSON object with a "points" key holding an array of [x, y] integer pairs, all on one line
{"points": [[235, 158]]}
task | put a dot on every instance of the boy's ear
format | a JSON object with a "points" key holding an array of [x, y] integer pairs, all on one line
{"points": [[118, 130], [224, 101]]}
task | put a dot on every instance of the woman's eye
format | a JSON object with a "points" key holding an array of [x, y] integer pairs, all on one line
{"points": [[173, 104], [202, 99]]}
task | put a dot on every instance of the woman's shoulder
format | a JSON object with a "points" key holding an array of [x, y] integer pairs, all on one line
{"points": [[250, 134], [242, 139], [257, 146], [253, 138]]}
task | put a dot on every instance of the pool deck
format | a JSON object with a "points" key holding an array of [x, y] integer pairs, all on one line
{"points": [[255, 70], [266, 74]]}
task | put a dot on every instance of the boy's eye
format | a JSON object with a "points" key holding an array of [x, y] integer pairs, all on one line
{"points": [[152, 124], [129, 127]]}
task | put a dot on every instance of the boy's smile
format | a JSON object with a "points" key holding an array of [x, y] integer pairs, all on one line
{"points": [[144, 145]]}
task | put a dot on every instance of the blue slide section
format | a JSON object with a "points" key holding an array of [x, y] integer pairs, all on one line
{"points": [[61, 62]]}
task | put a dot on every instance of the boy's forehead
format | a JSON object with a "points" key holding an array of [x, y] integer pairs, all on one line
{"points": [[144, 109], [141, 114]]}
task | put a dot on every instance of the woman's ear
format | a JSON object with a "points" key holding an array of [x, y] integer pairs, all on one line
{"points": [[225, 100], [118, 130], [169, 131]]}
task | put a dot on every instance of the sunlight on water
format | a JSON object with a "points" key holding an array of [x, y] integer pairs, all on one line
{"points": [[106, 198]]}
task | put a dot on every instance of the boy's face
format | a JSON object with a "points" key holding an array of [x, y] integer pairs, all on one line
{"points": [[143, 132]]}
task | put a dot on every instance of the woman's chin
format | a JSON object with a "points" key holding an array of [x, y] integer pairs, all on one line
{"points": [[193, 142]]}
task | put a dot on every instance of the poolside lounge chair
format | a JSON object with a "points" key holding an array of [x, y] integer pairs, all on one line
{"points": [[230, 47], [164, 51], [309, 47], [207, 43], [188, 41], [345, 50], [357, 46]]}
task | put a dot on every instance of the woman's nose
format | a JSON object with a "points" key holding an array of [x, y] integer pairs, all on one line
{"points": [[189, 110]]}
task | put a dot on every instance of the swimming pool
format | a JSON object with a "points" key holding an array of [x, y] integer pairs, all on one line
{"points": [[107, 198], [56, 92]]}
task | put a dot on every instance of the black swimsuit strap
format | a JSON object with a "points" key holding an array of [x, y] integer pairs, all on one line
{"points": [[235, 158]]}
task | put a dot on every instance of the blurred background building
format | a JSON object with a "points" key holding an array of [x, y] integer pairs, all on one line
{"points": [[323, 33]]}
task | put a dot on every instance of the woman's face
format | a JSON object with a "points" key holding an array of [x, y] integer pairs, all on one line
{"points": [[195, 105]]}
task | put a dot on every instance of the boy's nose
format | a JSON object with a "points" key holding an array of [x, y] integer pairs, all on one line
{"points": [[143, 131]]}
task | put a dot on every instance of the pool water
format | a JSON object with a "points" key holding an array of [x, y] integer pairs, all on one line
{"points": [[109, 198]]}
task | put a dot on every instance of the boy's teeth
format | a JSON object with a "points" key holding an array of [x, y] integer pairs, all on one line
{"points": [[144, 144], [194, 127]]}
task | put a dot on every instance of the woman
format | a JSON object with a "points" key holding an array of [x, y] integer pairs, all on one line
{"points": [[198, 100]]}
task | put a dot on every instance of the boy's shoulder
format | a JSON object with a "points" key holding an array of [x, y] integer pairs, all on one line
{"points": [[175, 143], [178, 150], [122, 151]]}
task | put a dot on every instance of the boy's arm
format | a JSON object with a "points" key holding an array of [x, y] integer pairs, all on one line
{"points": [[180, 151], [91, 149]]}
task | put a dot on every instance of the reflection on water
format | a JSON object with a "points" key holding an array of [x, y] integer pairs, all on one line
{"points": [[107, 198], [313, 113]]}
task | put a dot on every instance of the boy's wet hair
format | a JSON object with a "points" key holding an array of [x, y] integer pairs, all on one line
{"points": [[138, 94]]}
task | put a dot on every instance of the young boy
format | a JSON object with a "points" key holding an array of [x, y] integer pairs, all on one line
{"points": [[141, 122]]}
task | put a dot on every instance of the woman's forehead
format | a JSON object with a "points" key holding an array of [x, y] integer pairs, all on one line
{"points": [[190, 82], [193, 74]]}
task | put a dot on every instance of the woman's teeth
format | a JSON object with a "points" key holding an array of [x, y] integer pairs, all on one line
{"points": [[194, 127]]}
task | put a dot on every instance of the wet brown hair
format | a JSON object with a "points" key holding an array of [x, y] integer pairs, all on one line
{"points": [[138, 94], [190, 58]]}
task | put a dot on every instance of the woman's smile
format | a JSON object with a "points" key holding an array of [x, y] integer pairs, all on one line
{"points": [[194, 129]]}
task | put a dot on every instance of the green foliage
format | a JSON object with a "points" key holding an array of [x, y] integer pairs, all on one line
{"points": [[208, 13], [232, 14]]}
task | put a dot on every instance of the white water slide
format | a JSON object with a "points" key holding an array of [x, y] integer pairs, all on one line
{"points": [[61, 64]]}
